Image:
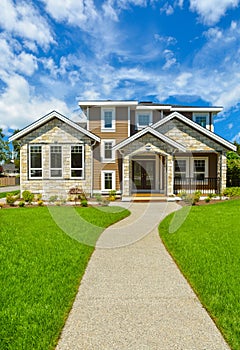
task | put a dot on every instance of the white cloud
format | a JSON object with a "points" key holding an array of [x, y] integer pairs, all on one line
{"points": [[24, 20], [230, 126], [183, 79], [168, 9], [170, 59], [213, 34], [210, 11]]}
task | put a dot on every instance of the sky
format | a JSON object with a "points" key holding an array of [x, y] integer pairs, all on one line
{"points": [[55, 53]]}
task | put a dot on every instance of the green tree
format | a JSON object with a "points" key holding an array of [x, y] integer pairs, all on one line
{"points": [[4, 148], [238, 147], [233, 167]]}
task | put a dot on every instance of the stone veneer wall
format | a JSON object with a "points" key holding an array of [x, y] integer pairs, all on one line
{"points": [[57, 133]]}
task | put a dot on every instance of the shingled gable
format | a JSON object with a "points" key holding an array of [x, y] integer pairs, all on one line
{"points": [[47, 118], [150, 130], [196, 126]]}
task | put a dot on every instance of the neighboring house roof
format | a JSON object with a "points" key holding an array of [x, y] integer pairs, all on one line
{"points": [[47, 118], [150, 130], [196, 126]]}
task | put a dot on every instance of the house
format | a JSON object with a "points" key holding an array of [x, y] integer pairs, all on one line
{"points": [[8, 169], [127, 146]]}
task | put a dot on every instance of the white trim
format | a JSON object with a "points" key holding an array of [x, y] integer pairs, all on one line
{"points": [[141, 112], [196, 126], [50, 168], [196, 109], [129, 121], [103, 159], [47, 118], [113, 128], [190, 165], [107, 103], [103, 172], [150, 130], [83, 162], [29, 162]]}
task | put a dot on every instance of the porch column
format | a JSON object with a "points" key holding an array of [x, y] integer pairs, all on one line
{"points": [[170, 174], [126, 177], [222, 170]]}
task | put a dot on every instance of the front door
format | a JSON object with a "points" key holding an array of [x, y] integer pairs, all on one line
{"points": [[144, 175]]}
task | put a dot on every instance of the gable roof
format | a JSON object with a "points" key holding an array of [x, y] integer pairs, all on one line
{"points": [[47, 118], [197, 127], [150, 130]]}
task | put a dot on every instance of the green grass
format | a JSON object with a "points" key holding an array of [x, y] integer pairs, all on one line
{"points": [[4, 194], [207, 249], [40, 271]]}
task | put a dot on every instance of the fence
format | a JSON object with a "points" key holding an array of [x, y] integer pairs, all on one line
{"points": [[9, 181], [188, 184]]}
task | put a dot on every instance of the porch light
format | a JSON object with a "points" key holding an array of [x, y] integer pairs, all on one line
{"points": [[148, 148]]}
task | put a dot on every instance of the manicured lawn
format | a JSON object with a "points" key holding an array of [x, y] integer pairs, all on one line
{"points": [[40, 271], [207, 249], [4, 194]]}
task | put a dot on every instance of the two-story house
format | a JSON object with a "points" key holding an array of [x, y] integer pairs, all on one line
{"points": [[126, 146]]}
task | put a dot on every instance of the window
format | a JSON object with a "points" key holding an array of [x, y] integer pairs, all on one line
{"points": [[55, 161], [35, 162], [180, 168], [108, 119], [199, 169], [77, 161], [108, 180], [107, 153], [201, 119], [143, 119]]}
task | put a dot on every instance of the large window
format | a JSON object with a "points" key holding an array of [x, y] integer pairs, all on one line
{"points": [[108, 119], [77, 161], [195, 168], [180, 168], [108, 180], [199, 169], [35, 161], [201, 119], [143, 119], [107, 153], [55, 161]]}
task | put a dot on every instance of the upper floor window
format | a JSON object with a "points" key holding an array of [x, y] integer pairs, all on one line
{"points": [[143, 119], [55, 161], [201, 119], [108, 119], [35, 161], [77, 161], [106, 150]]}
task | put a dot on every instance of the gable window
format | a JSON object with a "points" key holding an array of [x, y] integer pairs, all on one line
{"points": [[108, 119], [108, 180], [143, 119], [106, 150], [55, 161], [77, 161], [35, 161], [201, 119]]}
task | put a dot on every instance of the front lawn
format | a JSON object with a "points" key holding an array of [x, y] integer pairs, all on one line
{"points": [[207, 249], [40, 271]]}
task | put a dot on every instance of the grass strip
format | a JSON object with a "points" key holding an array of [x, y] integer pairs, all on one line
{"points": [[4, 194], [40, 271], [207, 249]]}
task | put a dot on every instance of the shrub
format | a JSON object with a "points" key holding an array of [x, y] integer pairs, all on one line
{"points": [[28, 196], [232, 192], [10, 199], [21, 204], [53, 199], [1, 205], [84, 203], [207, 199], [40, 203]]}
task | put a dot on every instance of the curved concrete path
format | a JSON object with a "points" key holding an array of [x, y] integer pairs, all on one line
{"points": [[133, 297]]}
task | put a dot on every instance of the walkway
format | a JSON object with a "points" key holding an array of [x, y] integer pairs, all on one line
{"points": [[133, 297]]}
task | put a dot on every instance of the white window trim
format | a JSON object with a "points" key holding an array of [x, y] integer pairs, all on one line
{"points": [[83, 162], [190, 165], [113, 128], [103, 172], [107, 160], [30, 168], [202, 114], [55, 177], [139, 112]]}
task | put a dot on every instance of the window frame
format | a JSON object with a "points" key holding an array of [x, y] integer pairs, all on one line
{"points": [[143, 112], [103, 158], [103, 127], [190, 173], [30, 168], [50, 167], [83, 162], [187, 167], [103, 172], [202, 114], [205, 159]]}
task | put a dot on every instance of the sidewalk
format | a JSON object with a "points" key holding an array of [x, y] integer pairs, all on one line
{"points": [[9, 188], [133, 297]]}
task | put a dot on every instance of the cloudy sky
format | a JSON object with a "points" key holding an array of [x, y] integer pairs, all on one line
{"points": [[54, 53]]}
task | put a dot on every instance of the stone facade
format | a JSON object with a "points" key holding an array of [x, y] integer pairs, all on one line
{"points": [[55, 132]]}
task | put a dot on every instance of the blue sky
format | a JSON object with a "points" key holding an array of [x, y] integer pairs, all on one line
{"points": [[54, 53]]}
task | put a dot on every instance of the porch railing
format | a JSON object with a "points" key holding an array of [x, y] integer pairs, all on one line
{"points": [[190, 185]]}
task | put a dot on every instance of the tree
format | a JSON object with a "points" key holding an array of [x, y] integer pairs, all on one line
{"points": [[233, 169], [238, 147], [4, 148]]}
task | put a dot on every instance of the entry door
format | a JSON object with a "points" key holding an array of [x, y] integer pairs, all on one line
{"points": [[144, 174]]}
